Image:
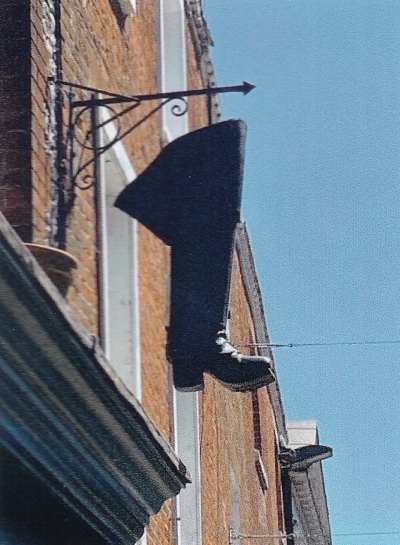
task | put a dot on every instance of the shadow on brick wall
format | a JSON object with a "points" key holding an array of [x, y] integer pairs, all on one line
{"points": [[119, 16]]}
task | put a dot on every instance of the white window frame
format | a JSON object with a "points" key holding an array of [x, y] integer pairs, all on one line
{"points": [[187, 445], [128, 7], [173, 77], [132, 379]]}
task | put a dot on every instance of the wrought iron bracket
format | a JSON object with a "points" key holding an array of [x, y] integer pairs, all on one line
{"points": [[84, 147], [115, 98]]}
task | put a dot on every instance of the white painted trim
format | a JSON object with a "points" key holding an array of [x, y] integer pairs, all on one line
{"points": [[187, 441], [103, 265], [173, 77], [128, 7], [176, 447], [173, 73], [143, 539], [110, 133]]}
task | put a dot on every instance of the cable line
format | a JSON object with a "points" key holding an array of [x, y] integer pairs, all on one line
{"points": [[370, 534], [296, 345]]}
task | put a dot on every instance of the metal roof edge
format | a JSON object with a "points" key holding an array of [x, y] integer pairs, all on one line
{"points": [[65, 413], [310, 499], [254, 296], [202, 41]]}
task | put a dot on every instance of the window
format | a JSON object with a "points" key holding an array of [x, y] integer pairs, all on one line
{"points": [[235, 509], [173, 64], [127, 6], [187, 441], [186, 409], [119, 265]]}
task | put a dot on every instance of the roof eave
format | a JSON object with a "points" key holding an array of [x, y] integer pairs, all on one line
{"points": [[66, 414]]}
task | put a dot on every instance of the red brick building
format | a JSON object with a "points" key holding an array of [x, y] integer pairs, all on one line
{"points": [[96, 439]]}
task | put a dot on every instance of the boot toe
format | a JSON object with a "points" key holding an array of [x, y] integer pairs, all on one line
{"points": [[241, 373]]}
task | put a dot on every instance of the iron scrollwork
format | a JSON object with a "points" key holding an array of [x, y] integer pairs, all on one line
{"points": [[178, 109], [90, 142]]}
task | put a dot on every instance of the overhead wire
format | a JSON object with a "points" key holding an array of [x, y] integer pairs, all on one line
{"points": [[297, 345], [369, 534]]}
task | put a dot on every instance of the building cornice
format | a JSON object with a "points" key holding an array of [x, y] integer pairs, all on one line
{"points": [[66, 415], [305, 455], [202, 41], [310, 500], [254, 298]]}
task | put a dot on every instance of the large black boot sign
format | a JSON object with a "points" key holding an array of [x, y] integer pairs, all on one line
{"points": [[190, 197]]}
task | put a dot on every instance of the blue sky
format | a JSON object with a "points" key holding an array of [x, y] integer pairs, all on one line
{"points": [[321, 202]]}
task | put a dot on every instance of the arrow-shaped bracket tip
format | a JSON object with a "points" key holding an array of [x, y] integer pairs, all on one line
{"points": [[247, 87]]}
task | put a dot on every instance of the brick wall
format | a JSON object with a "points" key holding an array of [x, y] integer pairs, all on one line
{"points": [[102, 50], [124, 62], [97, 47]]}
